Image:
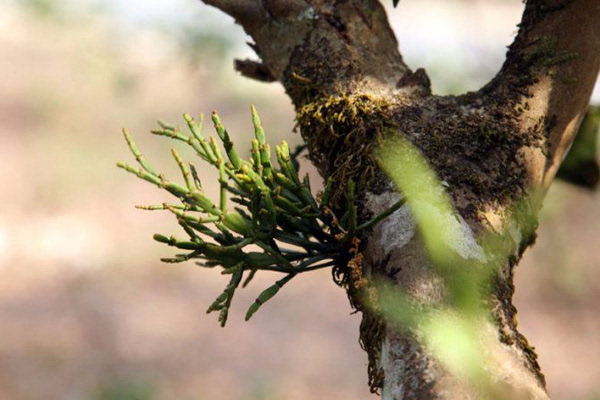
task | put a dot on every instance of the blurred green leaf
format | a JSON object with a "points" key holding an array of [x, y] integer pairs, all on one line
{"points": [[126, 390], [453, 339], [444, 234], [42, 8]]}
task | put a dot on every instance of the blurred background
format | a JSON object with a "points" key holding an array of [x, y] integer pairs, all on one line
{"points": [[87, 311]]}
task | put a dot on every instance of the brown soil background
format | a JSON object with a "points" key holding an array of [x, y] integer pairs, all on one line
{"points": [[86, 309]]}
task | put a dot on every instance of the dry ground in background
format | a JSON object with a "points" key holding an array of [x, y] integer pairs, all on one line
{"points": [[88, 312]]}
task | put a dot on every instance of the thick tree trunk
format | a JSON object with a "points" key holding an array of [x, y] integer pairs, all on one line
{"points": [[496, 151]]}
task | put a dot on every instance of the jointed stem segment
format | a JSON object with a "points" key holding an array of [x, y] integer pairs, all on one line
{"points": [[275, 208]]}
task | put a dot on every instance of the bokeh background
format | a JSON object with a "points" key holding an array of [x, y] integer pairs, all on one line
{"points": [[86, 309]]}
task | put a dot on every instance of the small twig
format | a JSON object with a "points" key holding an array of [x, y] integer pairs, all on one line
{"points": [[254, 70]]}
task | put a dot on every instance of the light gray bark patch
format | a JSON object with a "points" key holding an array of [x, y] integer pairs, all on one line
{"points": [[310, 14], [394, 232], [393, 366], [463, 241], [398, 229]]}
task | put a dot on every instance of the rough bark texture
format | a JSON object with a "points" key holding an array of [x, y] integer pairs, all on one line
{"points": [[496, 151]]}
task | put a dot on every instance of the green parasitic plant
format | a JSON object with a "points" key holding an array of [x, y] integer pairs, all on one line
{"points": [[275, 223]]}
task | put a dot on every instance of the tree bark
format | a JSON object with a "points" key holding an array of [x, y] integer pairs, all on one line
{"points": [[496, 151]]}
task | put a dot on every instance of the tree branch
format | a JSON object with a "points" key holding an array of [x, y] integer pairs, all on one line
{"points": [[549, 75], [254, 70], [244, 11], [339, 63], [335, 44]]}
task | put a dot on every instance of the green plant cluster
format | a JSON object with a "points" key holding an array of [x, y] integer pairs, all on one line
{"points": [[275, 224]]}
